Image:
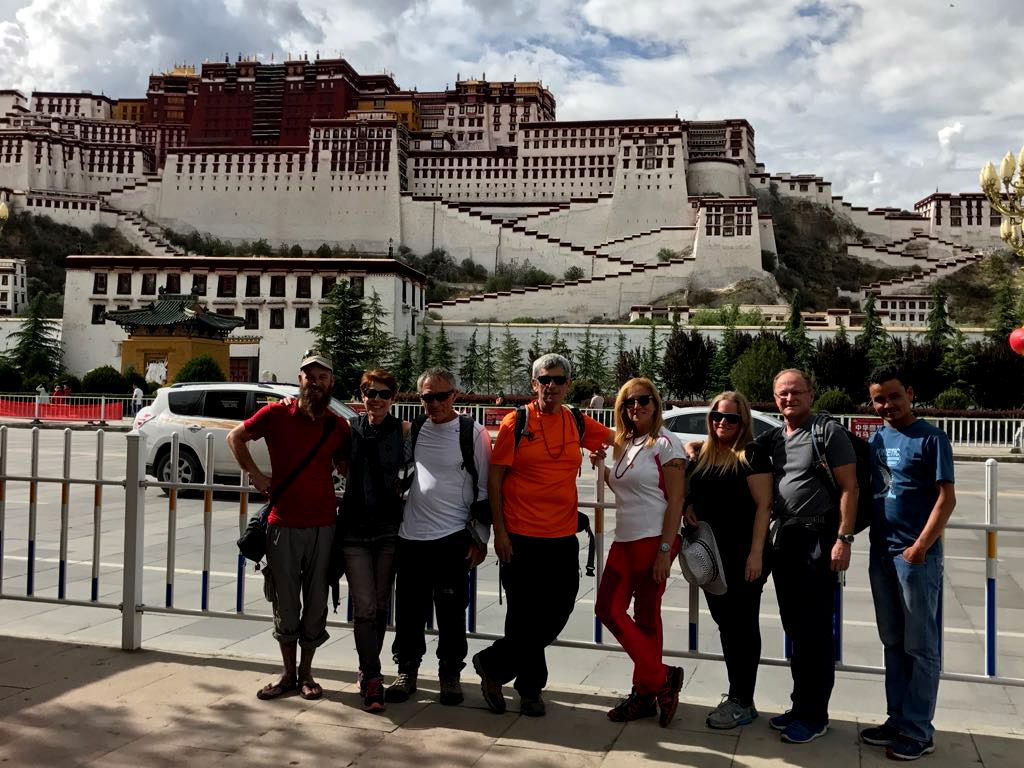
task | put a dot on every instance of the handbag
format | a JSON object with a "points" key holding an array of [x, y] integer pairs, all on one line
{"points": [[253, 541]]}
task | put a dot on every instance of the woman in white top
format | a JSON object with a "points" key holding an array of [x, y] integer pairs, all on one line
{"points": [[647, 477]]}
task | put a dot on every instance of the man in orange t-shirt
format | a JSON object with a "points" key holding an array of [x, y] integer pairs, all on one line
{"points": [[532, 490]]}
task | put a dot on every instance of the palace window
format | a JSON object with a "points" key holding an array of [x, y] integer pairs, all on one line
{"points": [[252, 285], [172, 284], [302, 287], [302, 317], [98, 311], [99, 282], [277, 317], [326, 284], [277, 285], [226, 286], [124, 283], [199, 285], [252, 319]]}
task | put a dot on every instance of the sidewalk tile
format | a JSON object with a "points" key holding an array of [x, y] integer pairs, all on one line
{"points": [[563, 729], [999, 751]]}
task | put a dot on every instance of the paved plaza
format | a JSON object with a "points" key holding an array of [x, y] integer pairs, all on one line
{"points": [[189, 696]]}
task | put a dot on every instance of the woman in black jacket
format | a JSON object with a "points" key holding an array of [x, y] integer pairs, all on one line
{"points": [[370, 515]]}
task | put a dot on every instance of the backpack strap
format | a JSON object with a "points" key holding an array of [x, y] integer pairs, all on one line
{"points": [[467, 445], [577, 416], [522, 415], [818, 444]]}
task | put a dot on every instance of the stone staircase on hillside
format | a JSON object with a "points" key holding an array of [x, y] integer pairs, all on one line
{"points": [[919, 282], [144, 234]]}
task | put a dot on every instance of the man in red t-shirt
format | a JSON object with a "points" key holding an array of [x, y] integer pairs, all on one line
{"points": [[532, 490], [300, 527]]}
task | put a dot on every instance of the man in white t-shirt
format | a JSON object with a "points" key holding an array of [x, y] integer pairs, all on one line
{"points": [[438, 542], [136, 400]]}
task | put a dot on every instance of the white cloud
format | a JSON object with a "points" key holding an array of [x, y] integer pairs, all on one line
{"points": [[888, 100]]}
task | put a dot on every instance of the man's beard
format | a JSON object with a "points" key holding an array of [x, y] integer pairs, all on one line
{"points": [[313, 401]]}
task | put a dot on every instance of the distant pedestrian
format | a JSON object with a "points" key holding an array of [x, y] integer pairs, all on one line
{"points": [[44, 396], [500, 399], [647, 478], [67, 391], [58, 395], [596, 402], [136, 400], [912, 466]]}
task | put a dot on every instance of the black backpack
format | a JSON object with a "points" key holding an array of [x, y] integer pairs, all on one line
{"points": [[865, 496], [480, 510], [582, 519]]}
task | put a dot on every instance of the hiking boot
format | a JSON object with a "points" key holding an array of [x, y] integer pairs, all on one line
{"points": [[490, 688], [905, 748], [783, 721], [400, 690], [634, 707], [532, 706], [373, 695], [729, 714], [668, 696], [451, 690], [880, 735], [801, 732]]}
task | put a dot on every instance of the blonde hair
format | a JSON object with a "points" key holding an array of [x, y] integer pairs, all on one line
{"points": [[625, 429], [727, 458]]}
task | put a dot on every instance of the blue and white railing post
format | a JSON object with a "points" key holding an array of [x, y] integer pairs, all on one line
{"points": [[134, 534], [97, 520], [33, 512], [207, 523], [991, 516], [65, 497]]}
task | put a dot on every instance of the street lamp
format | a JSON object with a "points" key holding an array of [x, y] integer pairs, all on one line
{"points": [[1005, 192]]}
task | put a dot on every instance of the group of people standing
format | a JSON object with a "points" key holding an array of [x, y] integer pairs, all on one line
{"points": [[422, 496]]}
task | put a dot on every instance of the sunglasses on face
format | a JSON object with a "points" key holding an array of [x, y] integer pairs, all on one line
{"points": [[642, 400], [373, 394], [439, 397], [730, 418], [559, 380]]}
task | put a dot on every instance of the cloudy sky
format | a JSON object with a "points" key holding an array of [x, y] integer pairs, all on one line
{"points": [[889, 99]]}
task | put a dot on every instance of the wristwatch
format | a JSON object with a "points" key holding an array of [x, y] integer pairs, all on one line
{"points": [[846, 538], [665, 547]]}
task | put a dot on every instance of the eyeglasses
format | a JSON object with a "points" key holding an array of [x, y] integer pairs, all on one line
{"points": [[373, 394], [559, 380], [431, 397], [730, 418], [642, 400], [791, 393]]}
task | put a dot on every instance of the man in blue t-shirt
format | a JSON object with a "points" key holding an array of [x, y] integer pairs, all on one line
{"points": [[912, 474]]}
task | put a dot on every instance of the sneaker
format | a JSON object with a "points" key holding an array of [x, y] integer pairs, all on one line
{"points": [[373, 695], [400, 690], [909, 749], [801, 732], [451, 690], [783, 721], [532, 706], [634, 707], [668, 696], [729, 714], [880, 735], [490, 688]]}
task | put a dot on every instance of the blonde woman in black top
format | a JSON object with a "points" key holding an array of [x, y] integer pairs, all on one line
{"points": [[730, 486]]}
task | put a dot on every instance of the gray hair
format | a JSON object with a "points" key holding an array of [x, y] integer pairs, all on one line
{"points": [[435, 373], [551, 360]]}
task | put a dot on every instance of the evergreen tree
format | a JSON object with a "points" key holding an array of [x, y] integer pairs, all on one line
{"points": [[1004, 313], [341, 333], [756, 368], [939, 328], [838, 364], [469, 371], [559, 346], [510, 363], [726, 355], [616, 368], [402, 367], [488, 366], [443, 355], [584, 366], [600, 373], [380, 345], [36, 351], [424, 351], [796, 335], [650, 363], [627, 366], [958, 363], [872, 329]]}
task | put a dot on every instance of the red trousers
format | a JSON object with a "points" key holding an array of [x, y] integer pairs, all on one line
{"points": [[628, 578]]}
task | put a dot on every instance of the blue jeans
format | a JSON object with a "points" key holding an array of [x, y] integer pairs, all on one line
{"points": [[906, 603]]}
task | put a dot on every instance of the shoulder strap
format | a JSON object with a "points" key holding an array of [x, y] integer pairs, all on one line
{"points": [[522, 415], [818, 442], [577, 416], [328, 428], [467, 445]]}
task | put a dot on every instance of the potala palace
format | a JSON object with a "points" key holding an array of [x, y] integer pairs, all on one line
{"points": [[311, 152]]}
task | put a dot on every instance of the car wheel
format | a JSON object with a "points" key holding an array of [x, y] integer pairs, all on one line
{"points": [[189, 468]]}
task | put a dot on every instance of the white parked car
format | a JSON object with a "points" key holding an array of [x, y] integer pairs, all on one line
{"points": [[193, 411], [690, 423]]}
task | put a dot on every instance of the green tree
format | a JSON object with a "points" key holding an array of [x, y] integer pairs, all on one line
{"points": [[585, 358], [754, 369], [105, 380], [958, 363], [600, 372], [614, 381], [872, 329], [559, 346], [726, 355], [380, 345], [939, 328], [650, 363], [201, 368], [510, 363], [574, 273], [796, 336], [36, 351], [424, 352], [341, 333], [469, 370], [402, 367], [627, 365], [323, 252], [488, 365], [295, 252], [839, 364], [1004, 313], [443, 354]]}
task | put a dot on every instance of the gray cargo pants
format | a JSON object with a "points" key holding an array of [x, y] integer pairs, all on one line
{"points": [[297, 562]]}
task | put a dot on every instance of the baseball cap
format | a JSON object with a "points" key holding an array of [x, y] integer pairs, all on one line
{"points": [[315, 356]]}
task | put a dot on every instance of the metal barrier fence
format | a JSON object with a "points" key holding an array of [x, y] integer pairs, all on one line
{"points": [[132, 607], [98, 409]]}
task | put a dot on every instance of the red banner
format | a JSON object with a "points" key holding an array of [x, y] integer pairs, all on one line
{"points": [[493, 416], [865, 426], [26, 409]]}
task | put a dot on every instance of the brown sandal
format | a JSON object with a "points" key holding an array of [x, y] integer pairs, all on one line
{"points": [[315, 690], [276, 690]]}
